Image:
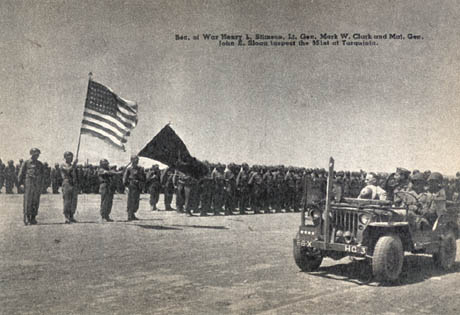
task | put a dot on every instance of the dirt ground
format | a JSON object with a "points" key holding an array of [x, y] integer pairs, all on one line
{"points": [[167, 263]]}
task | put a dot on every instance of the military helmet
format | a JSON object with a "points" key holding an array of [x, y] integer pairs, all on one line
{"points": [[435, 176], [417, 177], [67, 153], [457, 174], [103, 162], [34, 151]]}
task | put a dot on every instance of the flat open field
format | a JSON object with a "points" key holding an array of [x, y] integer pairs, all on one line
{"points": [[167, 263]]}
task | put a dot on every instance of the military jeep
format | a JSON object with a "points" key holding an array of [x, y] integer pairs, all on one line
{"points": [[374, 230]]}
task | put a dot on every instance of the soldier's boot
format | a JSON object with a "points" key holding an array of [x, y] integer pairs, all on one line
{"points": [[228, 212], [32, 220], [203, 213], [216, 212], [26, 220]]}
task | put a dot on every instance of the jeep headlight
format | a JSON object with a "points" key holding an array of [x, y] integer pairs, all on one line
{"points": [[365, 218], [315, 214]]}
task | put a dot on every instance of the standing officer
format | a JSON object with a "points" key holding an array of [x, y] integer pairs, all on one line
{"points": [[154, 185], [31, 175], [133, 179], [107, 188], [70, 187]]}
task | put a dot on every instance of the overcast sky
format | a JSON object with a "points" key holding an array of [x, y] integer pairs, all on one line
{"points": [[375, 108]]}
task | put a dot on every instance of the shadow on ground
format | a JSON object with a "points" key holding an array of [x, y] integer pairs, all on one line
{"points": [[157, 227], [416, 268]]}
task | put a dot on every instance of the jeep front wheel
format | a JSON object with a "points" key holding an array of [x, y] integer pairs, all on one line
{"points": [[388, 258], [445, 258], [305, 259]]}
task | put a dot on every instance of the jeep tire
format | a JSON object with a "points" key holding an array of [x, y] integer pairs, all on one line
{"points": [[306, 260], [445, 258], [388, 258]]}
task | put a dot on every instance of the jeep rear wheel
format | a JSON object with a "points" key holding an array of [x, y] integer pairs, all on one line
{"points": [[305, 259], [445, 258], [388, 258]]}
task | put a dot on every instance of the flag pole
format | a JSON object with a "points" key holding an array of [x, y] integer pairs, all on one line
{"points": [[79, 137]]}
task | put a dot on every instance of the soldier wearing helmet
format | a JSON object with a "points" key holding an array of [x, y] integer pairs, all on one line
{"points": [[133, 179], [153, 185], [106, 178], [31, 175], [70, 187], [434, 199]]}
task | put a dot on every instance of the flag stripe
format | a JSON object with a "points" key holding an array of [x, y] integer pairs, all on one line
{"points": [[123, 129], [106, 125], [108, 116], [120, 124], [96, 133], [126, 112], [128, 105], [127, 122], [86, 123]]}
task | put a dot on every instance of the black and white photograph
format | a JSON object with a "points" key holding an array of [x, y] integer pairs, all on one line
{"points": [[229, 157]]}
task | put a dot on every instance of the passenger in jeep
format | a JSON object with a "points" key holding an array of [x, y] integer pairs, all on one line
{"points": [[434, 200], [371, 190]]}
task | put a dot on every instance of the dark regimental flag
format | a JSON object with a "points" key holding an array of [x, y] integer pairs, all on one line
{"points": [[108, 116], [167, 148]]}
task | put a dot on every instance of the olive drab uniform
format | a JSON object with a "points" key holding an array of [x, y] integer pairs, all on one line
{"points": [[290, 183], [229, 189], [243, 190], [167, 182], [31, 175], [218, 191], [70, 190], [154, 186], [132, 178], [256, 185], [269, 188], [433, 205], [107, 189]]}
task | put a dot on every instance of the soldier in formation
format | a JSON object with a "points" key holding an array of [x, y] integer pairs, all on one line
{"points": [[31, 176], [70, 187]]}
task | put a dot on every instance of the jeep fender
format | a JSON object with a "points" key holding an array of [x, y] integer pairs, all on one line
{"points": [[377, 229]]}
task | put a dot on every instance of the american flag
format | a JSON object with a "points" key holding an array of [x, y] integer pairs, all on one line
{"points": [[108, 116]]}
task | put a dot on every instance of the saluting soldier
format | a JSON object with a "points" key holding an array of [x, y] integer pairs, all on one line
{"points": [[31, 175], [133, 180], [106, 188], [70, 187], [154, 185]]}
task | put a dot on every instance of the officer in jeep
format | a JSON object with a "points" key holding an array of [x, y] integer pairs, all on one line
{"points": [[371, 190]]}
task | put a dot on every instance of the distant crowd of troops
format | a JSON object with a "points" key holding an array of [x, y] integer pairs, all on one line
{"points": [[227, 189]]}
